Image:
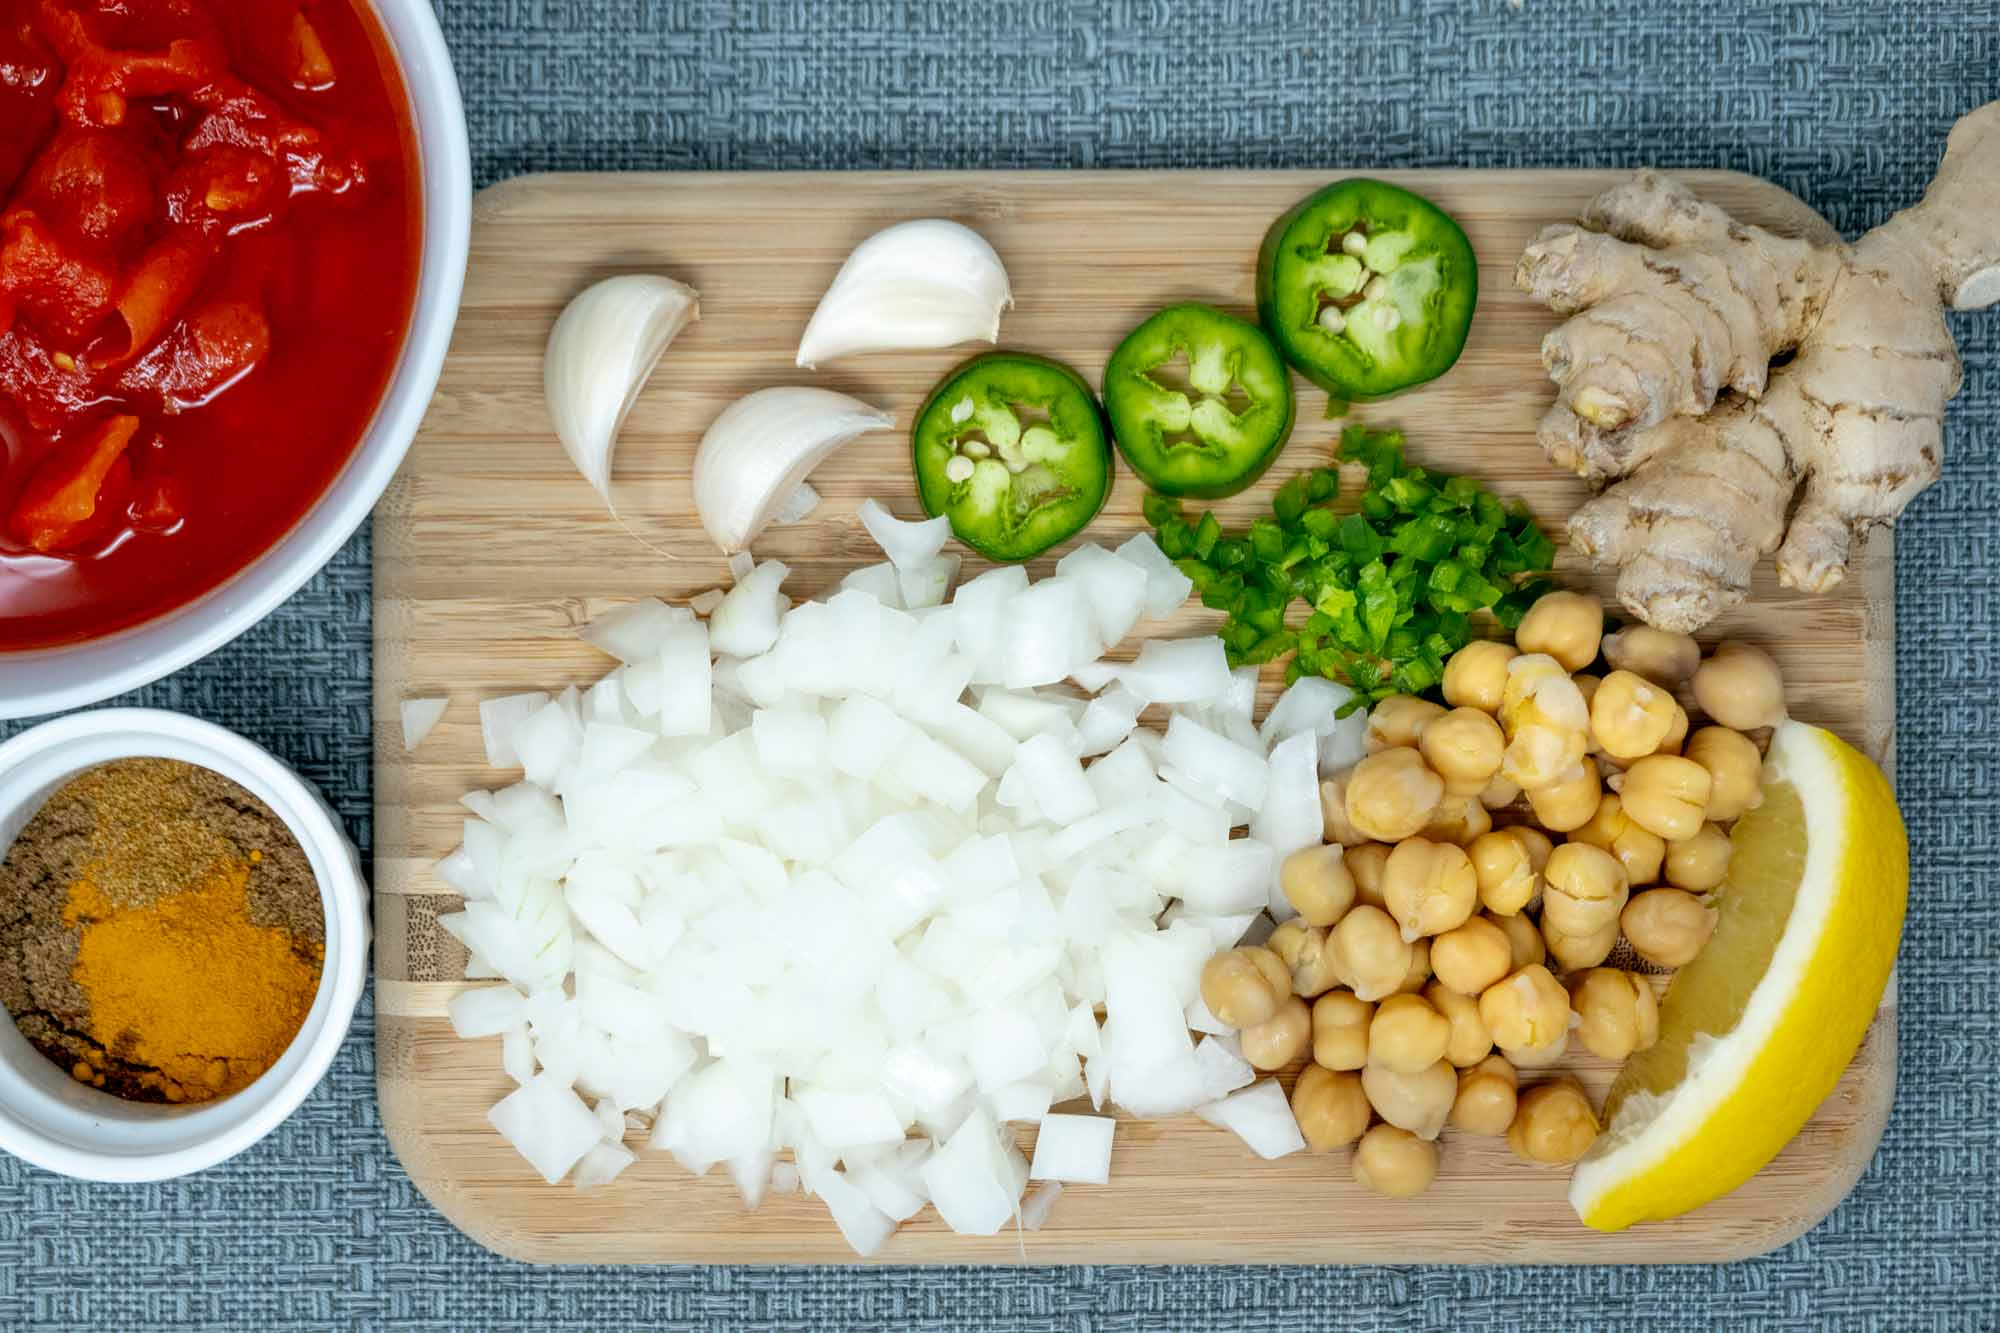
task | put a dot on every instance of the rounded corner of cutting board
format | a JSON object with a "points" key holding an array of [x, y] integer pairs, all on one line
{"points": [[455, 563], [401, 1125]]}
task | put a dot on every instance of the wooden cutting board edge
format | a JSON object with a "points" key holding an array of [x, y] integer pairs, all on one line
{"points": [[402, 1102]]}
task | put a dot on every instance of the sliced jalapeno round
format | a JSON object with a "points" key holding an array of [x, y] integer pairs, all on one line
{"points": [[1367, 289], [1200, 402], [1011, 448]]}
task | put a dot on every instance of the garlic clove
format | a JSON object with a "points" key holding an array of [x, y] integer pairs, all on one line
{"points": [[928, 283], [754, 460], [601, 352]]}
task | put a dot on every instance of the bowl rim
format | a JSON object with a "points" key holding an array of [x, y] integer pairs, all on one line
{"points": [[88, 671], [343, 893]]}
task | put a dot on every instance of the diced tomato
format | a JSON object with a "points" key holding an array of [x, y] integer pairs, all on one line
{"points": [[157, 290], [29, 77], [214, 346], [60, 504], [98, 186], [224, 187], [63, 292], [116, 52]]}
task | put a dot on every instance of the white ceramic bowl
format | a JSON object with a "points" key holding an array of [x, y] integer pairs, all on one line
{"points": [[48, 680], [48, 1118]]}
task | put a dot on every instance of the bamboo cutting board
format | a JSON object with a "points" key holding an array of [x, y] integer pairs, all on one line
{"points": [[490, 552]]}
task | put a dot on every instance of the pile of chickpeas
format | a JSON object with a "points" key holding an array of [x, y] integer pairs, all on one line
{"points": [[1480, 866]]}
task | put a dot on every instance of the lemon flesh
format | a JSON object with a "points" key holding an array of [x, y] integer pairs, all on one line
{"points": [[1755, 1032]]}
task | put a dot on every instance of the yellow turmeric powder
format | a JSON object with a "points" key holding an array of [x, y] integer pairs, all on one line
{"points": [[188, 986], [161, 932]]}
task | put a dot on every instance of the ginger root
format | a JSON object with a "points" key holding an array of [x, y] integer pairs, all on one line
{"points": [[1667, 394]]}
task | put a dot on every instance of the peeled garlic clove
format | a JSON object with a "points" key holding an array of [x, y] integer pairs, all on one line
{"points": [[758, 453], [603, 349], [929, 283]]}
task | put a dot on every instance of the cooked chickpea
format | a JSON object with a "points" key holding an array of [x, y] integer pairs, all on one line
{"points": [[1317, 883], [1279, 1039], [1370, 952], [1619, 1011], [1677, 734], [1419, 973], [1407, 1034], [1700, 863], [1429, 886], [1584, 949], [1340, 1030], [1470, 1041], [1330, 1107], [1418, 1102], [1661, 656], [1459, 819], [1740, 686], [1400, 719], [1507, 879], [1334, 824], [1524, 940], [1538, 1057], [1305, 953], [1500, 793], [1470, 957], [1630, 715], [1394, 1162], [1566, 625], [1365, 862], [1243, 987], [1735, 771], [1476, 675], [1571, 800], [1545, 720], [1486, 1099], [1537, 843], [1392, 794], [1527, 1010], [1554, 1123], [1667, 795], [1667, 927], [1640, 852], [1463, 747], [1584, 890]]}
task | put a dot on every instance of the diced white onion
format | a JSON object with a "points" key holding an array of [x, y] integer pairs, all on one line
{"points": [[795, 882]]}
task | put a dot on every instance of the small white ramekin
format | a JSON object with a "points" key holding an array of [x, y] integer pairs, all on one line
{"points": [[48, 1118]]}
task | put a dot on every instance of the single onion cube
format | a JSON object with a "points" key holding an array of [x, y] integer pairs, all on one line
{"points": [[974, 1180], [1166, 586], [487, 1011], [1216, 762], [498, 719], [419, 716], [1260, 1116], [548, 1124], [1075, 1148], [1055, 777], [1175, 671]]}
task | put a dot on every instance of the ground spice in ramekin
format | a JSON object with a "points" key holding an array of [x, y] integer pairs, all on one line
{"points": [[161, 933]]}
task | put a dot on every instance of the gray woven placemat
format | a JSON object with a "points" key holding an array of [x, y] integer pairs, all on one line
{"points": [[1844, 104]]}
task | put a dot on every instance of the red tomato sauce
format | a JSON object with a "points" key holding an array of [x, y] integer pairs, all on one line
{"points": [[209, 243]]}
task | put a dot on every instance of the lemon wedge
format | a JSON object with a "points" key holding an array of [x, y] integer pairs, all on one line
{"points": [[1756, 1030]]}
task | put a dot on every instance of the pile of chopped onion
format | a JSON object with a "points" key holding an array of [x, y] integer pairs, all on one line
{"points": [[852, 880]]}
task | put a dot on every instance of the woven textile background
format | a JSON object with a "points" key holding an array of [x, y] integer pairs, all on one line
{"points": [[1845, 104]]}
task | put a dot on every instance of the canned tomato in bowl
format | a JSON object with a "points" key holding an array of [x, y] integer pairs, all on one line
{"points": [[224, 303]]}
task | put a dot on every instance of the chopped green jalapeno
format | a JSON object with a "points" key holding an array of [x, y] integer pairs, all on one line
{"points": [[1011, 448], [1200, 402], [1367, 289]]}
